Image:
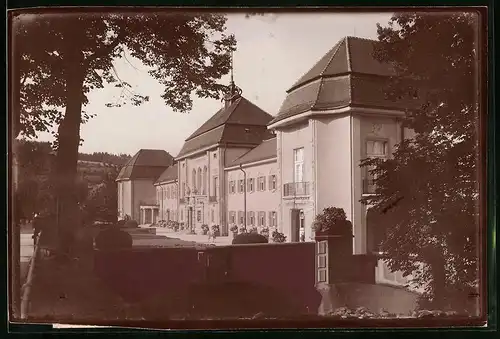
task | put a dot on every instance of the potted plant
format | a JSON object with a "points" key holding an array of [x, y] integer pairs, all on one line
{"points": [[243, 229], [333, 221], [234, 229], [216, 230], [204, 229], [265, 232], [278, 236], [254, 230], [176, 227]]}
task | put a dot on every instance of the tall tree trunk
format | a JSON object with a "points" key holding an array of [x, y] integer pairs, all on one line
{"points": [[67, 156]]}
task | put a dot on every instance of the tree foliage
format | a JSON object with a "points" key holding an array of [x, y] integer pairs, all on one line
{"points": [[186, 52], [427, 194], [59, 58]]}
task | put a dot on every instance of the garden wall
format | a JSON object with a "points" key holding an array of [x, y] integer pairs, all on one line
{"points": [[273, 278]]}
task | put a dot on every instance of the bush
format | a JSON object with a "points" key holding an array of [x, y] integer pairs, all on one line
{"points": [[121, 223], [216, 230], [250, 238], [278, 237], [332, 218], [204, 229]]}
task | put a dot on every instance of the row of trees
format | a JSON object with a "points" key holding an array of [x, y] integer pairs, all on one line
{"points": [[431, 184], [35, 163]]}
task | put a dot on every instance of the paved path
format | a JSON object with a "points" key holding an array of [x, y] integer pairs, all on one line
{"points": [[197, 238]]}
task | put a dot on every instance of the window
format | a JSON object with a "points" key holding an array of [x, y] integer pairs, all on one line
{"points": [[205, 183], [193, 182], [168, 192], [262, 219], [212, 216], [250, 186], [272, 219], [241, 217], [298, 169], [182, 215], [241, 186], [174, 192], [374, 149], [216, 186], [272, 182], [198, 216], [183, 192], [251, 218], [232, 187], [199, 186], [261, 184], [232, 217]]}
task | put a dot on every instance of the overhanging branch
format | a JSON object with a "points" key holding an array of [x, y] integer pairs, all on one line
{"points": [[105, 49]]}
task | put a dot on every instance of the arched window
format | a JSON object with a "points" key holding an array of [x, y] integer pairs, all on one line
{"points": [[375, 230], [199, 181], [205, 183], [193, 184]]}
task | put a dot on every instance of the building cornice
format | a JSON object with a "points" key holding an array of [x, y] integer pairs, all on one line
{"points": [[354, 110], [166, 182], [251, 164]]}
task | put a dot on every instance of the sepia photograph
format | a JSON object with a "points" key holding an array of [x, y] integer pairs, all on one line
{"points": [[217, 168]]}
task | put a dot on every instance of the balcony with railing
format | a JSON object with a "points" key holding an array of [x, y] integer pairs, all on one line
{"points": [[293, 189]]}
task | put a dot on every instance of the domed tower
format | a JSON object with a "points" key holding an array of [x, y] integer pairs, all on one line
{"points": [[334, 116]]}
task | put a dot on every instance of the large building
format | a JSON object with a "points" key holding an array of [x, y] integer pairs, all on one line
{"points": [[136, 191], [247, 167]]}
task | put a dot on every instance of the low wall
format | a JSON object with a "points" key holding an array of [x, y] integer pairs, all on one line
{"points": [[240, 279]]}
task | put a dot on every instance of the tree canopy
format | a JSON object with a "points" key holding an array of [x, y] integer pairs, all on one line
{"points": [[186, 52], [427, 195], [59, 58]]}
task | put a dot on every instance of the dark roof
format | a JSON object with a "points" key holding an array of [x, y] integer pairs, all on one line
{"points": [[168, 175], [266, 150], [242, 122], [348, 75], [146, 164]]}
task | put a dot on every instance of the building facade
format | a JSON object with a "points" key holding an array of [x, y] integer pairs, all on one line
{"points": [[247, 168], [252, 191], [137, 196]]}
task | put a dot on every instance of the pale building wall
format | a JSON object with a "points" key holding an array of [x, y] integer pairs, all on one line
{"points": [[143, 193], [333, 172], [125, 202], [167, 199], [298, 136], [266, 201]]}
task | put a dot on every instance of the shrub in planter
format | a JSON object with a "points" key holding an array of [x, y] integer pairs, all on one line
{"points": [[204, 229], [243, 229], [249, 238], [278, 236], [254, 230], [265, 232], [131, 224], [333, 220], [234, 229], [216, 230]]}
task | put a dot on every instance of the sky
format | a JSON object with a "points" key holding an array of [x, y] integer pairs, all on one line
{"points": [[273, 51]]}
